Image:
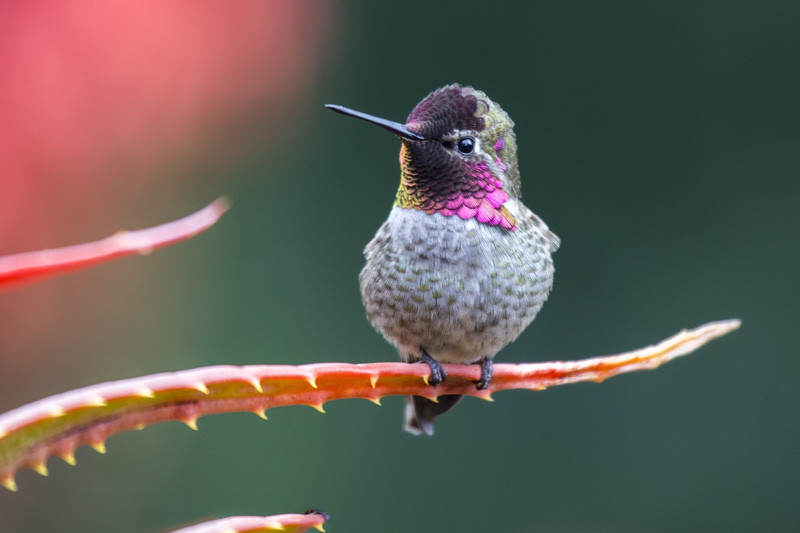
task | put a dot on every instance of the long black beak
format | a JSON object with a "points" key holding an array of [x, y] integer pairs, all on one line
{"points": [[395, 127]]}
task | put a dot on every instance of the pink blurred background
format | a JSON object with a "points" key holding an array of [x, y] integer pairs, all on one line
{"points": [[101, 101]]}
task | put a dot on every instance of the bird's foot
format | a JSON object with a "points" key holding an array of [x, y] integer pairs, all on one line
{"points": [[320, 512], [487, 369], [438, 375]]}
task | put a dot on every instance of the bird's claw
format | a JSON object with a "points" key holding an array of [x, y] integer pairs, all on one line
{"points": [[487, 369], [438, 375]]}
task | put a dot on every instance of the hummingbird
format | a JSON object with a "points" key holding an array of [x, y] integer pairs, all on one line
{"points": [[461, 266]]}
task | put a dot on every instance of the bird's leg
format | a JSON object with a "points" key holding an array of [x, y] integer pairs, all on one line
{"points": [[487, 368], [438, 375]]}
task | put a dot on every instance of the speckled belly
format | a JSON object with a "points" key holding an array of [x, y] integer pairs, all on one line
{"points": [[458, 288]]}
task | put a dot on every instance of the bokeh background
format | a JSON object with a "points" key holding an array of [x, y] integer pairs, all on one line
{"points": [[659, 140]]}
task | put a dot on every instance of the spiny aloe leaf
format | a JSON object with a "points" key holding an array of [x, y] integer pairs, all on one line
{"points": [[57, 425], [288, 523], [30, 267]]}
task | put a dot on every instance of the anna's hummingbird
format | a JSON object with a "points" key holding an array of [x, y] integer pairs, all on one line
{"points": [[461, 266]]}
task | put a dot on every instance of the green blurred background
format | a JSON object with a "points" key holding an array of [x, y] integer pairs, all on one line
{"points": [[659, 140]]}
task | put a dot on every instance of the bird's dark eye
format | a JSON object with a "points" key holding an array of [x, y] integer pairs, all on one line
{"points": [[466, 145]]}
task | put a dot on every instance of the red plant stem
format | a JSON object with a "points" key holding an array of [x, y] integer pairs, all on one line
{"points": [[59, 424], [29, 267], [294, 523]]}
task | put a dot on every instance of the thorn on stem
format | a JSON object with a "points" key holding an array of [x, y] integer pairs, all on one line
{"points": [[256, 383], [8, 482], [145, 392], [68, 457], [98, 446], [200, 386], [40, 467]]}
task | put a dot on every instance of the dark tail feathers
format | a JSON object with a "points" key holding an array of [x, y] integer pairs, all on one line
{"points": [[421, 412]]}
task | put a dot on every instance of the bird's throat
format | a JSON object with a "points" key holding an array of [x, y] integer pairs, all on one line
{"points": [[476, 194]]}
